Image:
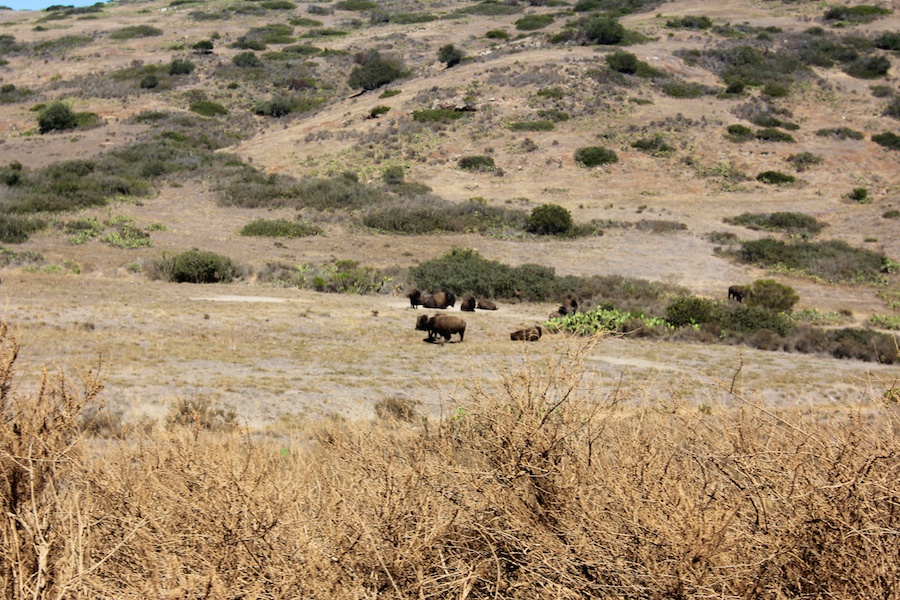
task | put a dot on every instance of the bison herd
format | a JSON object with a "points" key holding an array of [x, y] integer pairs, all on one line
{"points": [[441, 327]]}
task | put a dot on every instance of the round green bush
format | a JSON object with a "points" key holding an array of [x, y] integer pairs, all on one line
{"points": [[246, 59], [207, 108], [199, 266], [477, 163], [594, 156], [375, 71], [450, 55], [690, 310], [771, 295], [549, 219], [181, 67], [604, 30], [56, 116]]}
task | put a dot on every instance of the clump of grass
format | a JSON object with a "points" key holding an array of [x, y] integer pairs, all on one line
{"points": [[194, 266], [478, 162], [775, 178], [16, 229], [536, 125], [434, 216], [841, 133], [201, 413], [208, 108], [803, 161], [595, 156], [794, 224], [135, 31], [830, 260], [655, 145], [887, 139], [280, 228]]}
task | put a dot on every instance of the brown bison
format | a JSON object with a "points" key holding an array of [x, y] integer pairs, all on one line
{"points": [[485, 304], [737, 292], [415, 297], [441, 325], [439, 300], [468, 304], [529, 334]]}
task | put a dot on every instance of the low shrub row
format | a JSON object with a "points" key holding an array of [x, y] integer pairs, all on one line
{"points": [[831, 260]]}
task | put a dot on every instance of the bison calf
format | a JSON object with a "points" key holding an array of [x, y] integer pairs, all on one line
{"points": [[529, 334], [441, 325]]}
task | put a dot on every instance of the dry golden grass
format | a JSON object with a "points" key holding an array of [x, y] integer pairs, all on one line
{"points": [[540, 485]]}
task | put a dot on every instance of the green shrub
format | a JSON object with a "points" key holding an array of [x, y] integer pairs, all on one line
{"points": [[437, 115], [885, 321], [656, 145], [888, 139], [56, 116], [862, 13], [775, 178], [891, 214], [450, 55], [774, 135], [860, 195], [203, 47], [196, 266], [355, 5], [377, 111], [490, 8], [771, 295], [685, 89], [629, 64], [739, 133], [831, 260], [443, 216], [744, 318], [533, 22], [246, 60], [549, 219], [788, 222], [278, 5], [869, 67], [842, 133], [538, 125], [892, 109], [207, 108], [463, 270], [15, 229], [477, 163], [280, 228], [804, 160], [593, 156], [554, 115], [689, 22], [888, 40], [553, 93], [690, 311], [496, 34], [135, 31], [181, 67], [376, 71], [604, 30], [149, 82]]}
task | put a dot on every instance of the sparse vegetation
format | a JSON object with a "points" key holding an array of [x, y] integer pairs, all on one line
{"points": [[794, 224], [375, 71], [135, 31], [831, 260], [280, 228], [775, 178], [477, 163], [194, 266]]}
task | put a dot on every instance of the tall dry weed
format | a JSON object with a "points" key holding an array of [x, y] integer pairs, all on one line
{"points": [[537, 486]]}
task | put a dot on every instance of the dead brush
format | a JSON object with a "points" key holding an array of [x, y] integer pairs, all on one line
{"points": [[544, 484], [41, 459]]}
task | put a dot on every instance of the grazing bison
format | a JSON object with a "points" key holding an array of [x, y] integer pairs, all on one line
{"points": [[441, 325], [439, 300], [485, 304], [737, 292], [415, 297], [529, 334], [468, 304]]}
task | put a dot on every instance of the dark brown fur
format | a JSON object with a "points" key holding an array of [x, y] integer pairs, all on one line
{"points": [[737, 292], [529, 334], [468, 304], [439, 300], [415, 297], [441, 325]]}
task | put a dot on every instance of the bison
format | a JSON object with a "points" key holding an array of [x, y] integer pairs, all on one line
{"points": [[529, 334], [441, 325], [439, 300], [415, 297], [485, 304], [468, 305], [737, 292]]}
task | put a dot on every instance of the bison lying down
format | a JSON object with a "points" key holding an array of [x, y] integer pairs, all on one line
{"points": [[441, 325], [529, 334], [435, 300]]}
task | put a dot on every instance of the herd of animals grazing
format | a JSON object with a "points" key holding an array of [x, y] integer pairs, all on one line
{"points": [[444, 326]]}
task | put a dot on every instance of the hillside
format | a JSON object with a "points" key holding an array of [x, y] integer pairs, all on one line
{"points": [[533, 87]]}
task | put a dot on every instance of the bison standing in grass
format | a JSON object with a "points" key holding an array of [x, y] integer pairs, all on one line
{"points": [[737, 292], [441, 325], [529, 334]]}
